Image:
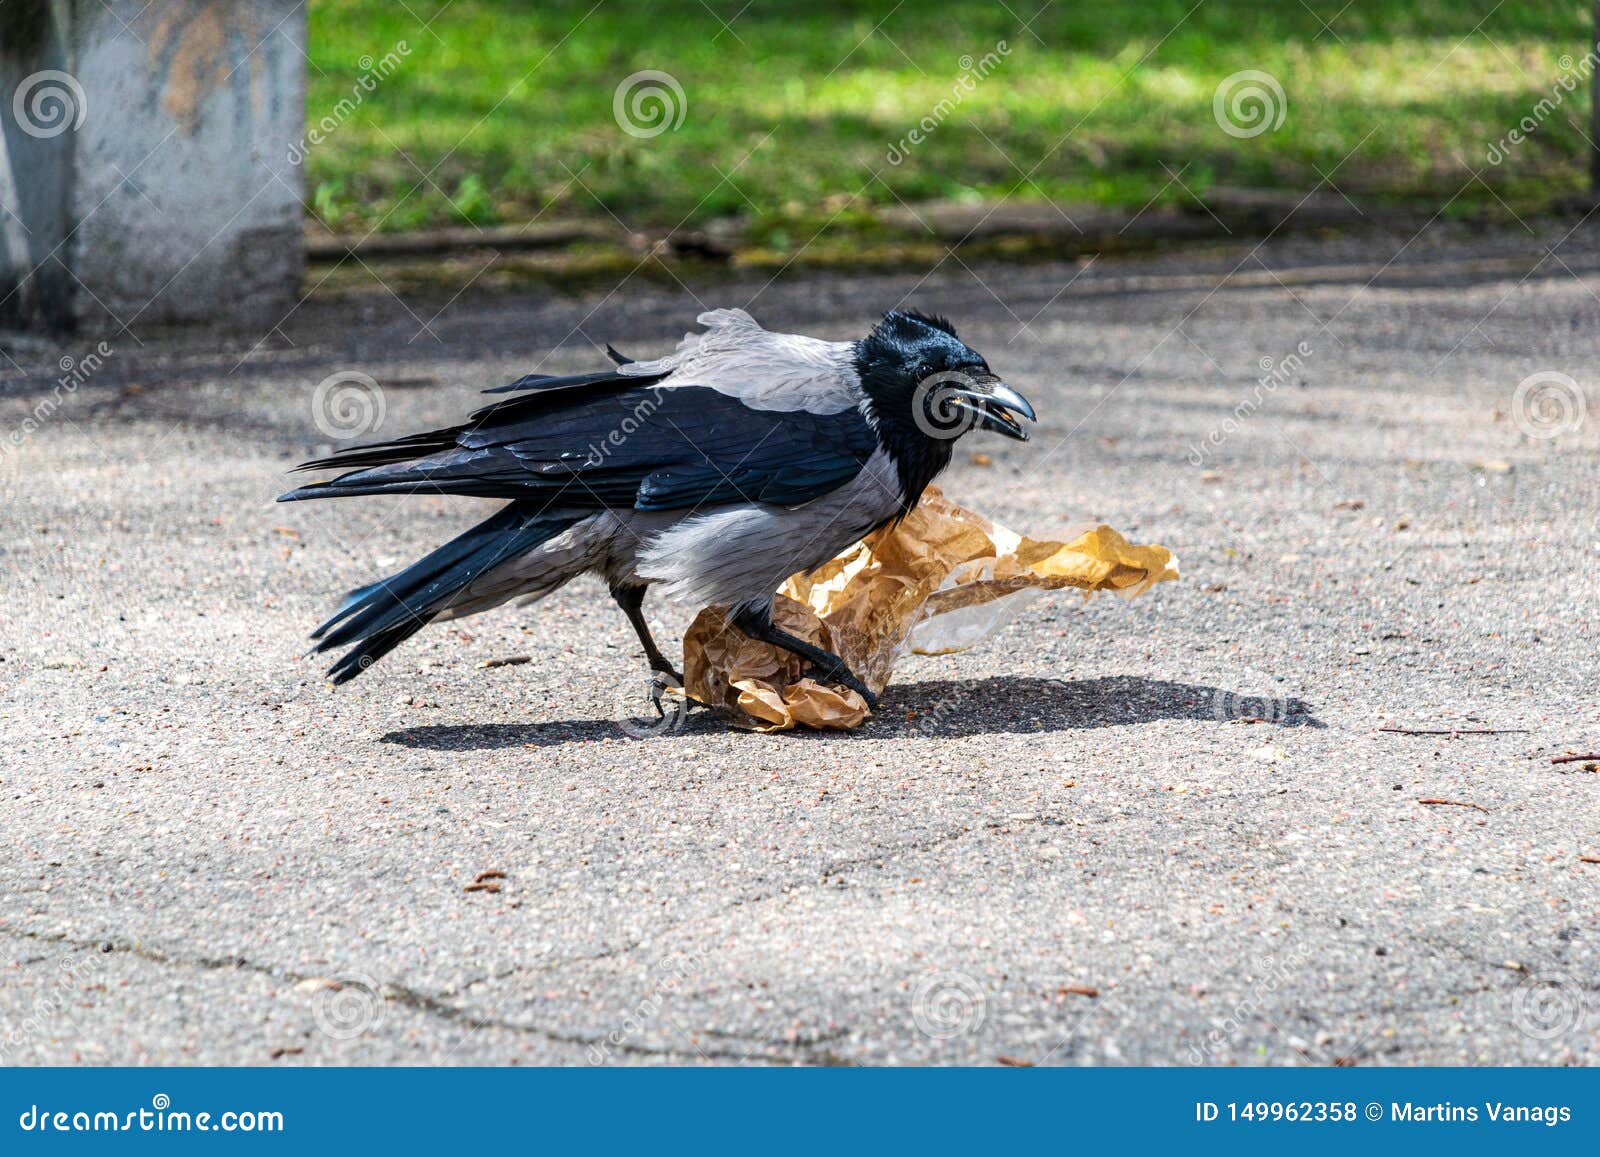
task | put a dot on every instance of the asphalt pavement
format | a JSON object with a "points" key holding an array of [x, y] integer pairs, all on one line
{"points": [[1212, 825]]}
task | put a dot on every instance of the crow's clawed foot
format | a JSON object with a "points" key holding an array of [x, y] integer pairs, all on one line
{"points": [[671, 710], [660, 683], [844, 677], [662, 680]]}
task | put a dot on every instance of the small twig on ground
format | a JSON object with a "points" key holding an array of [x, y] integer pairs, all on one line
{"points": [[1455, 803], [507, 661], [1574, 758], [1589, 859], [1455, 730]]}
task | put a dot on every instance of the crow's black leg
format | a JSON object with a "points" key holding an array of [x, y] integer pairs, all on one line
{"points": [[631, 600], [755, 620]]}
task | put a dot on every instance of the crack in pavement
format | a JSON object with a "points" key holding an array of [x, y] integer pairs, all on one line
{"points": [[410, 998], [804, 1049]]}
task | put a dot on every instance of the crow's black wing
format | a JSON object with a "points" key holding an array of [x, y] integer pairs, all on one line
{"points": [[614, 442]]}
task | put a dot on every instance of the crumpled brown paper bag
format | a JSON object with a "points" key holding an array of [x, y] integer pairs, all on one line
{"points": [[932, 584]]}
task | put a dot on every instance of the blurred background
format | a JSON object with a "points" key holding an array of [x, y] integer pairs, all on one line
{"points": [[852, 132], [792, 111]]}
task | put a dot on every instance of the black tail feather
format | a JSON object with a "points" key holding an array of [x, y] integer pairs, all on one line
{"points": [[374, 607], [551, 383], [352, 663], [536, 393], [380, 617], [384, 453]]}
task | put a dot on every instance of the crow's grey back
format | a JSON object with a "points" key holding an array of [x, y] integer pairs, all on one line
{"points": [[764, 370]]}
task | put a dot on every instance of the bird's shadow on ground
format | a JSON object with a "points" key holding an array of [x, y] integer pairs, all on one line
{"points": [[1005, 705], [943, 708]]}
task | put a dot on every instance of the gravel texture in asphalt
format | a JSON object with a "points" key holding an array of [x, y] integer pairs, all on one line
{"points": [[1170, 831]]}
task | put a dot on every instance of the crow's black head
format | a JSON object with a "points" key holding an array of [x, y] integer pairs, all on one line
{"points": [[927, 388]]}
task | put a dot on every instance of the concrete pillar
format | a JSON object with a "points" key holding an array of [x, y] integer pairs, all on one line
{"points": [[144, 161]]}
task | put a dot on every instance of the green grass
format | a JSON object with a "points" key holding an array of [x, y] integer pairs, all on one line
{"points": [[502, 111]]}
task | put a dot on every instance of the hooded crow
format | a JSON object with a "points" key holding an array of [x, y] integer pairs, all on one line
{"points": [[718, 471]]}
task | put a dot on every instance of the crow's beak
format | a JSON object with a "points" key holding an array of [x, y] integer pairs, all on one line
{"points": [[992, 403]]}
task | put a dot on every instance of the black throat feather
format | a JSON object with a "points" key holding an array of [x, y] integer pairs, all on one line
{"points": [[888, 378]]}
